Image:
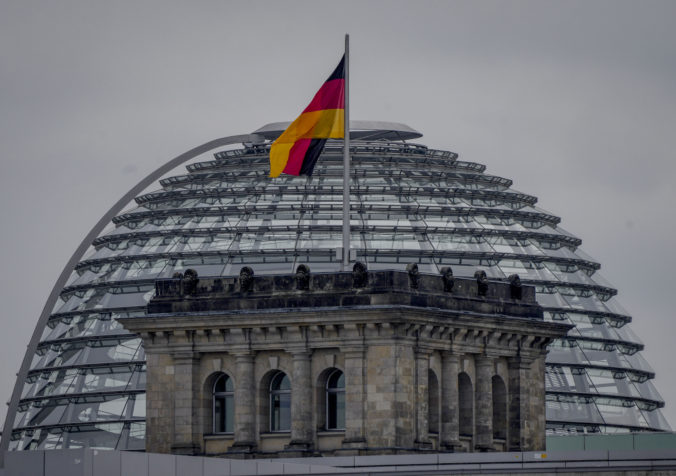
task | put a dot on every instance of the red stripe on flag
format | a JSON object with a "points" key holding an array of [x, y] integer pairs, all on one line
{"points": [[296, 156], [330, 96]]}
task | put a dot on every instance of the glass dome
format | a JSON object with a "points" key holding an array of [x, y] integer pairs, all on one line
{"points": [[409, 203]]}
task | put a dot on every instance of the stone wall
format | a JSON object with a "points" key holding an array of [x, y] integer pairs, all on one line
{"points": [[392, 354]]}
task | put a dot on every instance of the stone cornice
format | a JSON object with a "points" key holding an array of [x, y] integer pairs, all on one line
{"points": [[342, 310], [340, 327]]}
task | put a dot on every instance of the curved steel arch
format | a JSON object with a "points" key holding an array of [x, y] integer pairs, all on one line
{"points": [[79, 252]]}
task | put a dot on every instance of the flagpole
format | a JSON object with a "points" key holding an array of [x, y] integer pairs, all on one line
{"points": [[346, 162]]}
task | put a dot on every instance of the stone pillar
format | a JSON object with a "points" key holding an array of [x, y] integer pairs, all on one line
{"points": [[422, 366], [159, 401], [355, 399], [187, 434], [483, 435], [517, 429], [301, 402], [245, 404], [449, 437], [536, 429]]}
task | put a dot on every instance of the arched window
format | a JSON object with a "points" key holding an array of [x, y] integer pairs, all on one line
{"points": [[280, 403], [499, 408], [224, 405], [465, 404], [335, 401]]}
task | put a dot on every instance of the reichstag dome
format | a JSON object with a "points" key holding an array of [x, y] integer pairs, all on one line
{"points": [[83, 381]]}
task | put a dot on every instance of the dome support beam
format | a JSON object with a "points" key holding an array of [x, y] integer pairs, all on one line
{"points": [[79, 253]]}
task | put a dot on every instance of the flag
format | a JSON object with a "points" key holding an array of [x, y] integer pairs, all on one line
{"points": [[296, 151]]}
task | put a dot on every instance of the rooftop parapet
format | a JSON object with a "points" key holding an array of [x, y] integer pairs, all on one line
{"points": [[188, 293]]}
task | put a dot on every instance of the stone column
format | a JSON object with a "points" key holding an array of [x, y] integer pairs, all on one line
{"points": [[518, 369], [355, 398], [159, 401], [301, 402], [483, 436], [449, 437], [187, 433], [422, 366], [535, 438], [245, 404]]}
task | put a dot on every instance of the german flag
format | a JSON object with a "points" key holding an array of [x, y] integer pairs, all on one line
{"points": [[296, 151]]}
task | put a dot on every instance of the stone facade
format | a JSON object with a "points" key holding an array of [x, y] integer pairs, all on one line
{"points": [[429, 363]]}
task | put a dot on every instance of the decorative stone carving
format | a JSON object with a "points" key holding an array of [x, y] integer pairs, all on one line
{"points": [[189, 282], [447, 276], [515, 286], [359, 275], [482, 282], [413, 275], [246, 279], [302, 277]]}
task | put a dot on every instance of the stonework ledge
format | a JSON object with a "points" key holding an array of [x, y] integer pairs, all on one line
{"points": [[327, 290]]}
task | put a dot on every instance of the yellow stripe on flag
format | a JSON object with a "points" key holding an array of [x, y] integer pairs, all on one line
{"points": [[322, 124]]}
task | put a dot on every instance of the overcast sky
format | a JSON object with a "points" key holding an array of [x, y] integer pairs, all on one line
{"points": [[573, 100]]}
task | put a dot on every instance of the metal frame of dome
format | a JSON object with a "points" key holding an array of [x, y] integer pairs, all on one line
{"points": [[359, 130], [411, 203], [79, 253]]}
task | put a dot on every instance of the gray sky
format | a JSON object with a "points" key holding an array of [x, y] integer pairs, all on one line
{"points": [[575, 101]]}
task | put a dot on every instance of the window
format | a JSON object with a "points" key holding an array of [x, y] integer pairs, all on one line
{"points": [[280, 403], [335, 401], [224, 405]]}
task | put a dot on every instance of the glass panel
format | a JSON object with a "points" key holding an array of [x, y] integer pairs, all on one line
{"points": [[573, 411], [43, 413], [56, 382], [139, 406], [647, 390], [335, 400], [593, 327], [102, 408], [229, 414], [612, 383], [219, 386], [280, 403], [281, 382], [636, 361], [337, 380], [219, 415], [111, 351], [552, 300], [104, 436], [656, 420], [51, 439], [626, 334], [591, 303], [137, 434], [336, 409], [616, 414], [566, 379], [280, 412], [605, 358], [106, 379], [561, 352]]}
